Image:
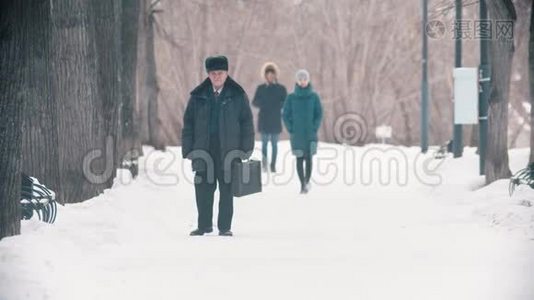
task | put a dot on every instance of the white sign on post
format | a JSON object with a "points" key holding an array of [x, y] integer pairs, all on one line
{"points": [[465, 95], [383, 132]]}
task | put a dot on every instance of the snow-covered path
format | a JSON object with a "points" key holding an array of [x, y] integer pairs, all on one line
{"points": [[361, 241]]}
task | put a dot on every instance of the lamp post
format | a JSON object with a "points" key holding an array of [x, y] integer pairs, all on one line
{"points": [[485, 86], [424, 82], [457, 140]]}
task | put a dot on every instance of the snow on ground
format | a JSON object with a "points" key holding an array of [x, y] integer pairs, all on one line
{"points": [[380, 222]]}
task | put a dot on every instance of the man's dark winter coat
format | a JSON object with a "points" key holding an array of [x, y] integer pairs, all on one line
{"points": [[234, 122]]}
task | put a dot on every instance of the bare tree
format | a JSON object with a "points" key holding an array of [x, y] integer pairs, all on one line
{"points": [[109, 68], [75, 86], [363, 57], [40, 135], [80, 96], [129, 117], [12, 64], [152, 87], [502, 51], [68, 97]]}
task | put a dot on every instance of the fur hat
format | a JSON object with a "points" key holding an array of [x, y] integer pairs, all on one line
{"points": [[302, 74], [271, 67], [214, 63]]}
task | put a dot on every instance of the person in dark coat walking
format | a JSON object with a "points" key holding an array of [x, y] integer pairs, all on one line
{"points": [[217, 130], [302, 117], [269, 98]]}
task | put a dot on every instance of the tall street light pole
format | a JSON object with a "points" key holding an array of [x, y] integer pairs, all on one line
{"points": [[457, 140], [424, 82], [485, 85]]}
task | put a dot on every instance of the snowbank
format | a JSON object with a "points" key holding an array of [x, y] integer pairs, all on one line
{"points": [[380, 222]]}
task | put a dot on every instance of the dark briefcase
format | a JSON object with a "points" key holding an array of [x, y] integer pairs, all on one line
{"points": [[246, 177]]}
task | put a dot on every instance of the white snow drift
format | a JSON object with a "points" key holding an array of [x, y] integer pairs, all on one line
{"points": [[380, 222]]}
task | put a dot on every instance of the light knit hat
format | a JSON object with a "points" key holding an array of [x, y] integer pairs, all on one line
{"points": [[302, 74]]}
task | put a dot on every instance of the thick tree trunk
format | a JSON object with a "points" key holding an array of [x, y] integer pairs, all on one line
{"points": [[131, 143], [152, 87], [107, 20], [74, 94], [12, 66], [141, 72], [40, 140], [502, 50], [75, 87], [67, 69]]}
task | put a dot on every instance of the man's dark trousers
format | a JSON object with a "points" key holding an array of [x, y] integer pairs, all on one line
{"points": [[205, 188]]}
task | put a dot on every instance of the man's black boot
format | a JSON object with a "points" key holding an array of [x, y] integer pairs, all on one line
{"points": [[225, 233], [199, 231]]}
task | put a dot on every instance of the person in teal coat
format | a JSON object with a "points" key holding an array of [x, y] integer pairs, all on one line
{"points": [[302, 115]]}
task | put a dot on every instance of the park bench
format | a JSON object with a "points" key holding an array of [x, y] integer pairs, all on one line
{"points": [[35, 197], [522, 177]]}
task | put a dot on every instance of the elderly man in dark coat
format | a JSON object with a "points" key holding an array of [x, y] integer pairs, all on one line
{"points": [[269, 98], [218, 129]]}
